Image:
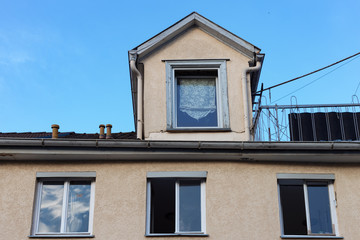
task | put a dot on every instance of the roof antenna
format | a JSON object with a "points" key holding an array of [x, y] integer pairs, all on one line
{"points": [[355, 99]]}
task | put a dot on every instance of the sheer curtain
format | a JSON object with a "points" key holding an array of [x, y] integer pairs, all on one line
{"points": [[197, 96]]}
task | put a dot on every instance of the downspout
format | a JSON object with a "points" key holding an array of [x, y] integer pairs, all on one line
{"points": [[246, 98], [139, 121]]}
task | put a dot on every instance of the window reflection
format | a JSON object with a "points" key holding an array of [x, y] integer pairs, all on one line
{"points": [[319, 206], [71, 198], [190, 206], [78, 207], [51, 206]]}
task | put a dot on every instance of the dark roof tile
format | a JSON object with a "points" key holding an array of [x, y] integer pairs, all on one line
{"points": [[69, 135]]}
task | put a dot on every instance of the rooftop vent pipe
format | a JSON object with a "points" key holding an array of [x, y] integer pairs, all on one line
{"points": [[102, 131], [108, 131], [55, 131]]}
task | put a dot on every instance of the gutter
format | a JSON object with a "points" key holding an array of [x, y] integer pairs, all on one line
{"points": [[133, 150]]}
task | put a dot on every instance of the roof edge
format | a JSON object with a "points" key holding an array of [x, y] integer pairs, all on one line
{"points": [[132, 150], [195, 19]]}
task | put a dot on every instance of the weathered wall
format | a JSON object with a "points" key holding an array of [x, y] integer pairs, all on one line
{"points": [[193, 44], [241, 198]]}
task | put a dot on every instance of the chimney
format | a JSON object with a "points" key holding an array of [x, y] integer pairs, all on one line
{"points": [[55, 130], [108, 131], [102, 131]]}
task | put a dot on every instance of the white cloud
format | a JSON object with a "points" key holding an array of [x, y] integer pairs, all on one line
{"points": [[17, 57], [17, 46]]}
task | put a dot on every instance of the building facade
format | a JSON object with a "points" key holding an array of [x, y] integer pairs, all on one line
{"points": [[191, 170]]}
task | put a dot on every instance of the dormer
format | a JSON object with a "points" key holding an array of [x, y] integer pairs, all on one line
{"points": [[194, 81]]}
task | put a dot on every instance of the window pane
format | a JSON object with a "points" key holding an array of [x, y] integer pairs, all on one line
{"points": [[190, 206], [78, 206], [319, 207], [162, 206], [196, 102], [51, 206], [293, 209]]}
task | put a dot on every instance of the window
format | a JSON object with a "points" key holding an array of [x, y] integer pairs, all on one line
{"points": [[197, 95], [63, 204], [307, 204], [176, 203]]}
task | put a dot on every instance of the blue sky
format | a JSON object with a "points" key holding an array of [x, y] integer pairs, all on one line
{"points": [[65, 62]]}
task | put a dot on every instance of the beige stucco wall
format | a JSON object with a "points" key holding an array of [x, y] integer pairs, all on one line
{"points": [[193, 44], [241, 198]]}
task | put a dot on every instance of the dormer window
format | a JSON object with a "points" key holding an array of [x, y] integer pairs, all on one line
{"points": [[197, 95]]}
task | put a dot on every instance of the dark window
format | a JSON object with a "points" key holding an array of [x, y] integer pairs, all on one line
{"points": [[175, 206], [305, 207], [162, 206], [293, 209]]}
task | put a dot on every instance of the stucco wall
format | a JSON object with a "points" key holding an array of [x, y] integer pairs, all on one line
{"points": [[193, 44], [241, 198]]}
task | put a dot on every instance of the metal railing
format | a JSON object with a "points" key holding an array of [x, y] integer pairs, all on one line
{"points": [[322, 122]]}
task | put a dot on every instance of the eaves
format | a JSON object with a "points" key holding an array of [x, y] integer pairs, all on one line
{"points": [[135, 150]]}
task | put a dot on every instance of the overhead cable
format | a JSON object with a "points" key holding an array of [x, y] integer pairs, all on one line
{"points": [[316, 80], [277, 85]]}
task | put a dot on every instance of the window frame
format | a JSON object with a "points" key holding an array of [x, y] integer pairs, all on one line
{"points": [[66, 178], [177, 176], [305, 179], [221, 92]]}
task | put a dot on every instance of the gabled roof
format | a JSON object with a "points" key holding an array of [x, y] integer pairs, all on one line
{"points": [[195, 19]]}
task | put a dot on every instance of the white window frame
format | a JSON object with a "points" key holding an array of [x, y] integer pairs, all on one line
{"points": [[66, 178], [305, 178], [178, 176], [221, 91]]}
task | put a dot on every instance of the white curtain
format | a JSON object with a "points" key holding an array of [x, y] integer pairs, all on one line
{"points": [[197, 97]]}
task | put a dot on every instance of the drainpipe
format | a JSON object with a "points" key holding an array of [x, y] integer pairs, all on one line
{"points": [[139, 121], [246, 98]]}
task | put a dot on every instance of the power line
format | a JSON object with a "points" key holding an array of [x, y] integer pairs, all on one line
{"points": [[277, 85], [318, 79]]}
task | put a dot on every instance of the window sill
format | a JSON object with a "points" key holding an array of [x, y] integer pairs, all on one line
{"points": [[177, 235], [61, 236], [309, 237], [194, 129]]}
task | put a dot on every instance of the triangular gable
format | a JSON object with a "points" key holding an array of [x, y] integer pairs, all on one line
{"points": [[195, 19]]}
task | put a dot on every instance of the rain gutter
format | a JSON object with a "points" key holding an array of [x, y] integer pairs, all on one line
{"points": [[134, 150]]}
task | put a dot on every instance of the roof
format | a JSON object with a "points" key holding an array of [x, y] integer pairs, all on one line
{"points": [[195, 19], [68, 135], [218, 32]]}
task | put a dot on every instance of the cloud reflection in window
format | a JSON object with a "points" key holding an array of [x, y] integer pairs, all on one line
{"points": [[78, 207], [51, 205]]}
